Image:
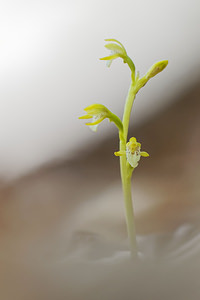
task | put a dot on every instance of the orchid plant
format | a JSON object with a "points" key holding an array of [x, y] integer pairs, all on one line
{"points": [[129, 152]]}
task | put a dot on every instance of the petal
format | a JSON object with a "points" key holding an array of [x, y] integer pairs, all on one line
{"points": [[93, 127], [85, 117], [133, 159], [144, 154], [133, 140], [115, 48], [116, 41], [109, 62], [120, 153], [95, 109], [133, 145], [110, 57], [95, 121]]}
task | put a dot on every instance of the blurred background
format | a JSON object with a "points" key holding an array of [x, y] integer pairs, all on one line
{"points": [[60, 182], [50, 70]]}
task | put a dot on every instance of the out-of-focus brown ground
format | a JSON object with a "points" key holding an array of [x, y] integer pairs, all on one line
{"points": [[40, 213]]}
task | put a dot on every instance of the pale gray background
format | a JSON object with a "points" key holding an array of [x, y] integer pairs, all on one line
{"points": [[49, 69]]}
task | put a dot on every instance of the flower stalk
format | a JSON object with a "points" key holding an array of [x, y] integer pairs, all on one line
{"points": [[126, 179], [129, 152]]}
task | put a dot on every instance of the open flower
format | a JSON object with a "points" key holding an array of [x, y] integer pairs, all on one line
{"points": [[98, 112], [117, 50], [132, 152]]}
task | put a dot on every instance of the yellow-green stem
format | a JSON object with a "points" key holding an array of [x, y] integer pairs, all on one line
{"points": [[127, 109], [126, 179]]}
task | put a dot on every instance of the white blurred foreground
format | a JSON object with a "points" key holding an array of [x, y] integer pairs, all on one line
{"points": [[54, 255]]}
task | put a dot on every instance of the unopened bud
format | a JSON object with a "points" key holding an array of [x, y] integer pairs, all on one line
{"points": [[156, 68]]}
